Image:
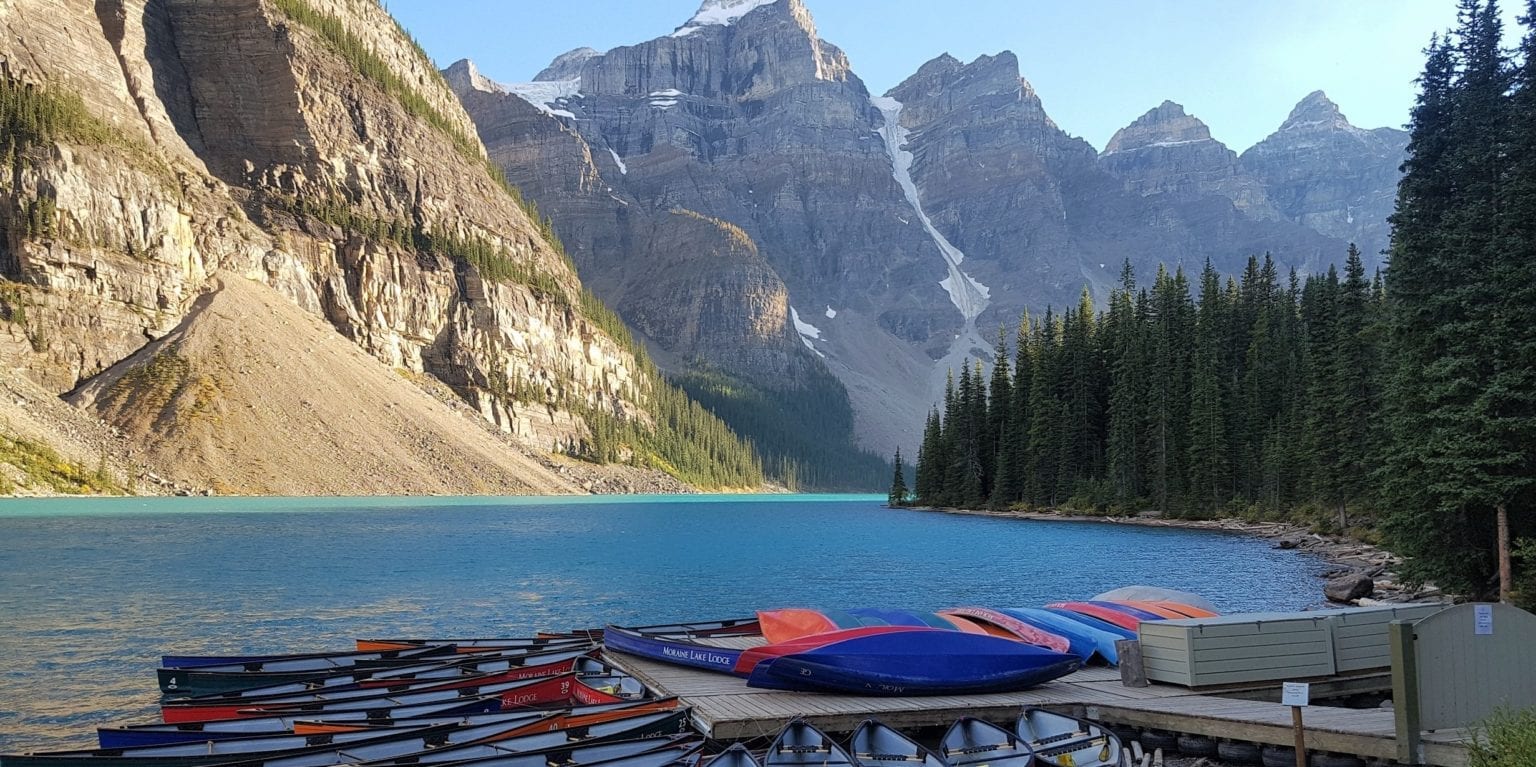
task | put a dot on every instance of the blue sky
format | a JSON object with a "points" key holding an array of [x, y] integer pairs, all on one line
{"points": [[1239, 65]]}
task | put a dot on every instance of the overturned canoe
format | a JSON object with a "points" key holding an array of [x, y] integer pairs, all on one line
{"points": [[1086, 642], [1023, 631], [915, 662]]}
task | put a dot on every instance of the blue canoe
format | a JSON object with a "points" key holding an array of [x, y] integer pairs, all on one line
{"points": [[916, 662], [1087, 641]]}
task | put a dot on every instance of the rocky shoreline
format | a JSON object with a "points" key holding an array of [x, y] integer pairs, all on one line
{"points": [[1360, 573]]}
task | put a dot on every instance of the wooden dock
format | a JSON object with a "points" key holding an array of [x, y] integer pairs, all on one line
{"points": [[724, 708]]}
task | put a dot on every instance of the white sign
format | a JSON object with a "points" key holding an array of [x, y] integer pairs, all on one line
{"points": [[1482, 620], [1295, 694]]}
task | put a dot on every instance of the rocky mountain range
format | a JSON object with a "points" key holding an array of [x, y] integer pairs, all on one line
{"points": [[736, 192]]}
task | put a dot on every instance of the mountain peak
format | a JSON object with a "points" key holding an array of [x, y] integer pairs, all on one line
{"points": [[1315, 111], [1167, 124], [463, 75], [722, 13], [567, 65]]}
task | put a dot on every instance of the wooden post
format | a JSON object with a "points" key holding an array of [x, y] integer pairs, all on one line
{"points": [[1301, 737], [1506, 579], [1405, 690], [1133, 671]]}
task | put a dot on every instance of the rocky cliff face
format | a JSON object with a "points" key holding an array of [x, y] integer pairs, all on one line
{"points": [[1039, 214], [918, 220], [745, 117], [695, 287], [365, 200], [1330, 176], [1167, 151]]}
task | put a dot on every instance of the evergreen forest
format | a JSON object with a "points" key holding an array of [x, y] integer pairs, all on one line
{"points": [[1398, 406]]}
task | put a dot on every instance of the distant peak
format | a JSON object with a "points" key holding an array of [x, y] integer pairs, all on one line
{"points": [[567, 65], [719, 13], [1315, 111], [1167, 124]]}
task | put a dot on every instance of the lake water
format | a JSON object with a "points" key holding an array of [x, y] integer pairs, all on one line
{"points": [[93, 592]]}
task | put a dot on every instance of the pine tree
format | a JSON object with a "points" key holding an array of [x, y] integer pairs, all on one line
{"points": [[1209, 479], [1352, 388], [1044, 416], [1012, 477], [1460, 450], [929, 479], [898, 494], [1128, 391], [1168, 389], [999, 410]]}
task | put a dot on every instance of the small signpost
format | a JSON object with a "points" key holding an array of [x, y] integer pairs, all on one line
{"points": [[1297, 695]]}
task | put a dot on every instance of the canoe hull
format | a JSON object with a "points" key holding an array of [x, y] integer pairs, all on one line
{"points": [[919, 662]]}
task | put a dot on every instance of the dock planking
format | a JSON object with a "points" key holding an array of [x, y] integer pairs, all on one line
{"points": [[725, 708]]}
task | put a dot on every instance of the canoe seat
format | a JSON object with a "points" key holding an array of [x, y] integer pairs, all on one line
{"points": [[1071, 745], [1063, 736], [975, 749], [803, 749], [890, 757]]}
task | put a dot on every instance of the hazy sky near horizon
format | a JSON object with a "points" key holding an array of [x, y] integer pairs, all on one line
{"points": [[1238, 65]]}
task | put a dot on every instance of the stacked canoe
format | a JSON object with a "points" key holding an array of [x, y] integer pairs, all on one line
{"points": [[868, 651], [482, 703]]}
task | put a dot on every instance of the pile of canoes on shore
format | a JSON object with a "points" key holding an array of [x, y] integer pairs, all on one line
{"points": [[865, 651], [533, 702], [547, 701]]}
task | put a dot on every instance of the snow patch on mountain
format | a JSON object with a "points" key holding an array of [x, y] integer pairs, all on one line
{"points": [[968, 295], [546, 95], [719, 13], [619, 161], [807, 331]]}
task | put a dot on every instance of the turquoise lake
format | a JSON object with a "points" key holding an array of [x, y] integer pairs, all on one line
{"points": [[93, 592]]}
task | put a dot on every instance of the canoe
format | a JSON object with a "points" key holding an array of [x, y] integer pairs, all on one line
{"points": [[206, 680], [1023, 631], [677, 649], [1087, 641], [236, 676], [653, 725], [1132, 610], [565, 689], [750, 657], [294, 661], [970, 742], [470, 645], [1066, 741], [1097, 623], [1178, 610], [915, 662], [220, 707], [735, 756], [1116, 615], [460, 742], [1160, 594], [413, 679], [421, 716], [240, 749], [638, 752], [800, 745], [794, 623], [138, 736], [876, 745]]}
